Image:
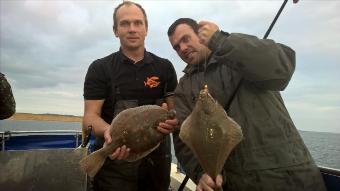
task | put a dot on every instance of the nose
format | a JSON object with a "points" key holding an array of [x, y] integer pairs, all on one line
{"points": [[183, 47], [132, 28]]}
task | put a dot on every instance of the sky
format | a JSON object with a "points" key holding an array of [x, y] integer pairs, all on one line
{"points": [[46, 47]]}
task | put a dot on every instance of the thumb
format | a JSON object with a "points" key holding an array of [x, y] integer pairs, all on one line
{"points": [[107, 136], [165, 106], [202, 23], [219, 180]]}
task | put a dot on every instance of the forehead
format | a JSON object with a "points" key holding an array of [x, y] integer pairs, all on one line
{"points": [[180, 31], [129, 12]]}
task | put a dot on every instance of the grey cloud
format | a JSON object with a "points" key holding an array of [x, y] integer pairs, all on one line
{"points": [[47, 46], [42, 48]]}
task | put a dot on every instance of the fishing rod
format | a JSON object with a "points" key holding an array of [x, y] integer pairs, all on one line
{"points": [[276, 17]]}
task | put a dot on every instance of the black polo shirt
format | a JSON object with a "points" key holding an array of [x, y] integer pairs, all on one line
{"points": [[147, 80]]}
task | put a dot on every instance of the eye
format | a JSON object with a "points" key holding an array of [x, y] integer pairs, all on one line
{"points": [[138, 23], [185, 39], [176, 47], [124, 23]]}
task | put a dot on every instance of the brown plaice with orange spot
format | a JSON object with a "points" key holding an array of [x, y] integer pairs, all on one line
{"points": [[210, 133]]}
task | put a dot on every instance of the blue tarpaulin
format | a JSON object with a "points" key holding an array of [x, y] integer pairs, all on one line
{"points": [[28, 142]]}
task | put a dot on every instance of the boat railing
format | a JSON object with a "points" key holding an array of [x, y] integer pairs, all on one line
{"points": [[331, 171], [331, 177], [6, 136]]}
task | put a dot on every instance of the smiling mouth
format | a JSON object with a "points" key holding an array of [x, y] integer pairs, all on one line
{"points": [[188, 55]]}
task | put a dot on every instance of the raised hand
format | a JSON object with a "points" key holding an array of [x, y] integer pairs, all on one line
{"points": [[205, 31]]}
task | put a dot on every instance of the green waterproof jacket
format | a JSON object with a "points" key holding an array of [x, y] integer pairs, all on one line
{"points": [[245, 74]]}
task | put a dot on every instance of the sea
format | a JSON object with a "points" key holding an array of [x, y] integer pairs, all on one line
{"points": [[323, 146]]}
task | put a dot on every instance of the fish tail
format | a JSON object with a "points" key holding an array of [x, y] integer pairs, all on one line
{"points": [[92, 163]]}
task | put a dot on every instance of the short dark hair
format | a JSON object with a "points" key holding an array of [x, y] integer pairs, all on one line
{"points": [[191, 22], [128, 3]]}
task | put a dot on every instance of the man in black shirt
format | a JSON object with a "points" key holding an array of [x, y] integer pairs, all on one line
{"points": [[128, 78]]}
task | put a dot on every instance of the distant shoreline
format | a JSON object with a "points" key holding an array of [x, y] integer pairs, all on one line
{"points": [[46, 117]]}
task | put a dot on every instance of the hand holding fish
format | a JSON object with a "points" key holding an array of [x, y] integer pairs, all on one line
{"points": [[168, 125], [212, 139], [136, 128], [120, 153], [206, 30], [206, 183]]}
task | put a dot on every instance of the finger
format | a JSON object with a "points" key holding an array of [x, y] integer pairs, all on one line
{"points": [[115, 154], [122, 152], [202, 23], [208, 180], [206, 183], [203, 30], [163, 130], [198, 188], [127, 153], [165, 106], [206, 25], [206, 187], [219, 180], [107, 136], [172, 122], [165, 127]]}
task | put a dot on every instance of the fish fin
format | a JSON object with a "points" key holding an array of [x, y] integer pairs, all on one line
{"points": [[134, 157], [92, 163]]}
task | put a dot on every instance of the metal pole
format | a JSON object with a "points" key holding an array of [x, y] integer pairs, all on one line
{"points": [[77, 139], [3, 142], [274, 21]]}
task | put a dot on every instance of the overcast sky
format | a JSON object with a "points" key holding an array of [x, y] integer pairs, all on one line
{"points": [[46, 47]]}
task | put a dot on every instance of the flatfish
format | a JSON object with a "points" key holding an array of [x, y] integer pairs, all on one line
{"points": [[134, 127], [210, 133]]}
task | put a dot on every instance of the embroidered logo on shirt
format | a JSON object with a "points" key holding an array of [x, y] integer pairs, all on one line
{"points": [[152, 82]]}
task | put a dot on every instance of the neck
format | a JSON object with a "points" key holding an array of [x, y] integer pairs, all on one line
{"points": [[135, 55]]}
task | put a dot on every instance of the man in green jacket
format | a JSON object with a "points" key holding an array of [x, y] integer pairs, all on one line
{"points": [[244, 74]]}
